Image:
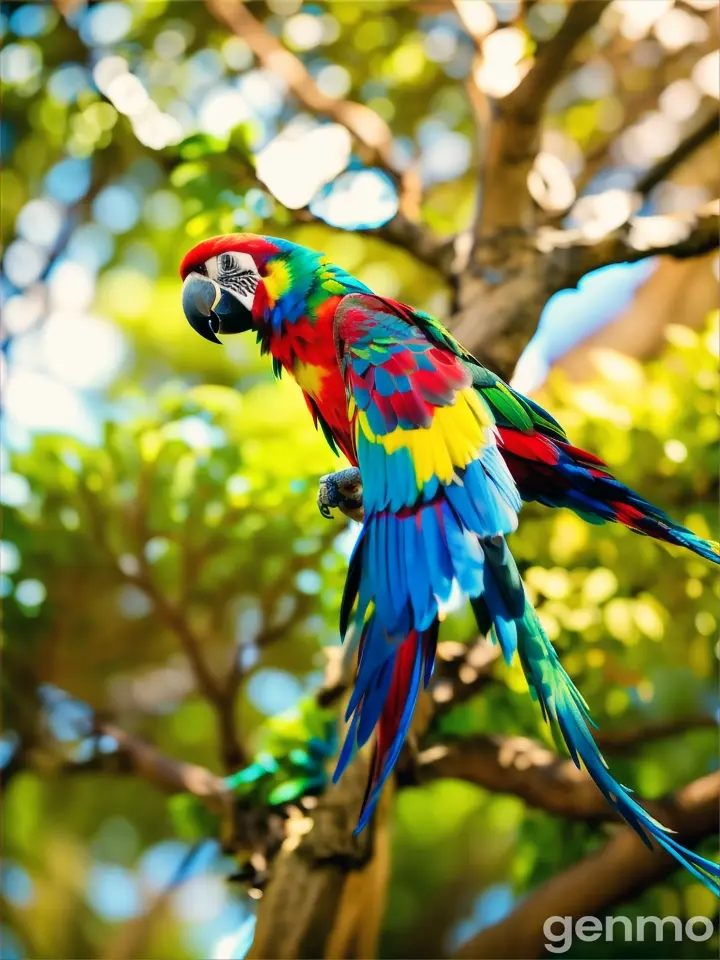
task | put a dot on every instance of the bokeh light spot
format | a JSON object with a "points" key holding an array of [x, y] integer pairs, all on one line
{"points": [[105, 24], [30, 593], [117, 208], [273, 691], [356, 200]]}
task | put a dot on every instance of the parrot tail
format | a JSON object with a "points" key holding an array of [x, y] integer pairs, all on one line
{"points": [[388, 707], [393, 666], [403, 564], [559, 475], [561, 702]]}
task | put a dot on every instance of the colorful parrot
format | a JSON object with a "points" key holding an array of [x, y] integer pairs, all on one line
{"points": [[442, 454]]}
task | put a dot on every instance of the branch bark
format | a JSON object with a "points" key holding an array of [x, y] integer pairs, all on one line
{"points": [[617, 872], [513, 139], [132, 938], [304, 903], [373, 135], [645, 100], [525, 769], [170, 775], [497, 311], [685, 148], [679, 236], [370, 130], [632, 738]]}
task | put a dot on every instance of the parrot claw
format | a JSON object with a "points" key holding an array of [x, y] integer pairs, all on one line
{"points": [[342, 490], [324, 509]]}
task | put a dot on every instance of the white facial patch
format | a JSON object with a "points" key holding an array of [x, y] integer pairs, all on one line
{"points": [[236, 273]]}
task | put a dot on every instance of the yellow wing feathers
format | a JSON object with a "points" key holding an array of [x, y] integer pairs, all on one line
{"points": [[453, 439]]}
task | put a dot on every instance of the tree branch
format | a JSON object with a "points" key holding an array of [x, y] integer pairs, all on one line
{"points": [[305, 900], [527, 100], [408, 235], [617, 872], [632, 738], [371, 132], [572, 253], [166, 611], [513, 139], [170, 775], [175, 617], [243, 829], [525, 769], [419, 241], [645, 100], [687, 146], [132, 938]]}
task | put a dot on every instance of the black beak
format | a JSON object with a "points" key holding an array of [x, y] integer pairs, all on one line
{"points": [[211, 310], [199, 296]]}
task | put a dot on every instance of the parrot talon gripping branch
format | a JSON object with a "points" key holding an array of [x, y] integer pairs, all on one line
{"points": [[341, 490], [443, 453]]}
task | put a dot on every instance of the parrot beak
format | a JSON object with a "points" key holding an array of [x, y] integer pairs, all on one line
{"points": [[200, 295], [211, 310]]}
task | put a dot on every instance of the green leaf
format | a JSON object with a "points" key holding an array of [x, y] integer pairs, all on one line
{"points": [[293, 789], [199, 145], [264, 766], [191, 820]]}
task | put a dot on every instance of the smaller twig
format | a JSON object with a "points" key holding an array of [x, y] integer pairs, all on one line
{"points": [[687, 146], [172, 776], [573, 253], [175, 618], [634, 738]]}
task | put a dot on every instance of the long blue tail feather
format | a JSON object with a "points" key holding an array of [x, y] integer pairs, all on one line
{"points": [[562, 703]]}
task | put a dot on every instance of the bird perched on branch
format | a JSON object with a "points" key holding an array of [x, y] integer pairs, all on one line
{"points": [[442, 455]]}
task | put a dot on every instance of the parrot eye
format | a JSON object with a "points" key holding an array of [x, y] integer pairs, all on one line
{"points": [[238, 274]]}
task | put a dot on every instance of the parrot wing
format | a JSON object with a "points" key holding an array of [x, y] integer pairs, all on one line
{"points": [[547, 468], [439, 500]]}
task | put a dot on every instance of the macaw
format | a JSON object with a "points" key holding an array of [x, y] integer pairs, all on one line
{"points": [[442, 454]]}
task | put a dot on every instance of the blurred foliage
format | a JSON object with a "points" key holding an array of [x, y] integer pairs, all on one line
{"points": [[155, 485]]}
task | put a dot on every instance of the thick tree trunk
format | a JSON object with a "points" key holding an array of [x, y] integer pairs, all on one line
{"points": [[326, 880], [500, 295]]}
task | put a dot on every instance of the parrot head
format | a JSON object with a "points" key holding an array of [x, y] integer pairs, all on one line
{"points": [[242, 281], [221, 277]]}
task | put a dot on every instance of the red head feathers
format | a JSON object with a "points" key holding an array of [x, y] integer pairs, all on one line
{"points": [[259, 248]]}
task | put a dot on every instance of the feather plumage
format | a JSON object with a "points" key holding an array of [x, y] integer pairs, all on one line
{"points": [[447, 452]]}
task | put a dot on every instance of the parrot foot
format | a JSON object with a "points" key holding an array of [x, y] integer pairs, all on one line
{"points": [[341, 490]]}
